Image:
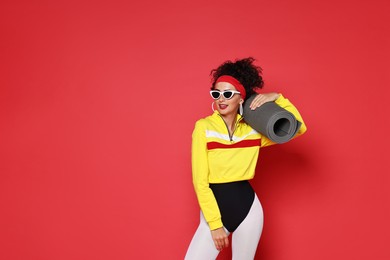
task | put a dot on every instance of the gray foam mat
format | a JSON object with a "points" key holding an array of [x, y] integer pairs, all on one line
{"points": [[271, 120]]}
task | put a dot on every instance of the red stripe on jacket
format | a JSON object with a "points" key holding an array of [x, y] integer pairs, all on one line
{"points": [[242, 144]]}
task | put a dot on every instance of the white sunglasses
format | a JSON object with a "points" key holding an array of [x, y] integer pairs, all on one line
{"points": [[227, 94]]}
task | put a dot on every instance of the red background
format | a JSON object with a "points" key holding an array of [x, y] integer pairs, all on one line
{"points": [[98, 101]]}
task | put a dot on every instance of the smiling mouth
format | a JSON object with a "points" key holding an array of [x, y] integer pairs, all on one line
{"points": [[222, 106]]}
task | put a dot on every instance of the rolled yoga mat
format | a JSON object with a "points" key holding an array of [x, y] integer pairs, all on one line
{"points": [[271, 120]]}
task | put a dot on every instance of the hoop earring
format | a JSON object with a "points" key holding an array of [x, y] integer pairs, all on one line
{"points": [[241, 109], [212, 106]]}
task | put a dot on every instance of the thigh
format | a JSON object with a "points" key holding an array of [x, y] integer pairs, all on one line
{"points": [[246, 237], [202, 244]]}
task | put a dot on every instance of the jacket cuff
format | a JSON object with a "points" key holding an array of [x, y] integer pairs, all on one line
{"points": [[215, 224], [280, 99]]}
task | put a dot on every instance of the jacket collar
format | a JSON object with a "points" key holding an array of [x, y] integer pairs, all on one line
{"points": [[238, 118]]}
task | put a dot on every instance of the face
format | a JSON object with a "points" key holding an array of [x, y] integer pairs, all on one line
{"points": [[227, 106]]}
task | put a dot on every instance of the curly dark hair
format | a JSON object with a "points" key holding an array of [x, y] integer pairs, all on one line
{"points": [[244, 71]]}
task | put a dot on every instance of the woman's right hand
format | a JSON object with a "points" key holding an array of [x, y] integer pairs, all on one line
{"points": [[220, 238]]}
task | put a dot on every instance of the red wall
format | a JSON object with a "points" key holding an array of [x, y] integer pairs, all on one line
{"points": [[98, 101]]}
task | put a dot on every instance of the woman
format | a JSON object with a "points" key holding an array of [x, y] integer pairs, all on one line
{"points": [[224, 155]]}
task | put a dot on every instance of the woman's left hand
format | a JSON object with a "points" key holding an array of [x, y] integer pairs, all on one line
{"points": [[263, 98]]}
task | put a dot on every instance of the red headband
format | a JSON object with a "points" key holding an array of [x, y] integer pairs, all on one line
{"points": [[234, 82]]}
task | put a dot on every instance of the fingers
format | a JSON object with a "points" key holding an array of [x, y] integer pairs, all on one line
{"points": [[258, 101], [226, 242], [218, 246], [221, 243], [220, 238]]}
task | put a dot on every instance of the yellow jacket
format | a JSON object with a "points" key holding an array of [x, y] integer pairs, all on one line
{"points": [[219, 158]]}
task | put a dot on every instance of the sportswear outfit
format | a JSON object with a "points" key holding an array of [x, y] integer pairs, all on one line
{"points": [[222, 164]]}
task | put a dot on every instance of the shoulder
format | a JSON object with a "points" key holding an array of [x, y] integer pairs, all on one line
{"points": [[247, 129], [206, 121]]}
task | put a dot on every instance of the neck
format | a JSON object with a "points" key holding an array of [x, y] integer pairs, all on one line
{"points": [[230, 121]]}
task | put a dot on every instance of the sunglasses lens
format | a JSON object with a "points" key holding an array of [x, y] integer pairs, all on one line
{"points": [[215, 94], [228, 94]]}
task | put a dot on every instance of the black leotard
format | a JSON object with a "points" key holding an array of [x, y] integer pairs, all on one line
{"points": [[234, 201]]}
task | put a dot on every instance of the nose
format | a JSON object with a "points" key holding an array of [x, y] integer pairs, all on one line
{"points": [[221, 98]]}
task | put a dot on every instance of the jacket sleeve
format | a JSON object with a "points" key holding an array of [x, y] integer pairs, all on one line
{"points": [[286, 104], [200, 177]]}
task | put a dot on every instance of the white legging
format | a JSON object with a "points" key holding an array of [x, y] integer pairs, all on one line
{"points": [[244, 239]]}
